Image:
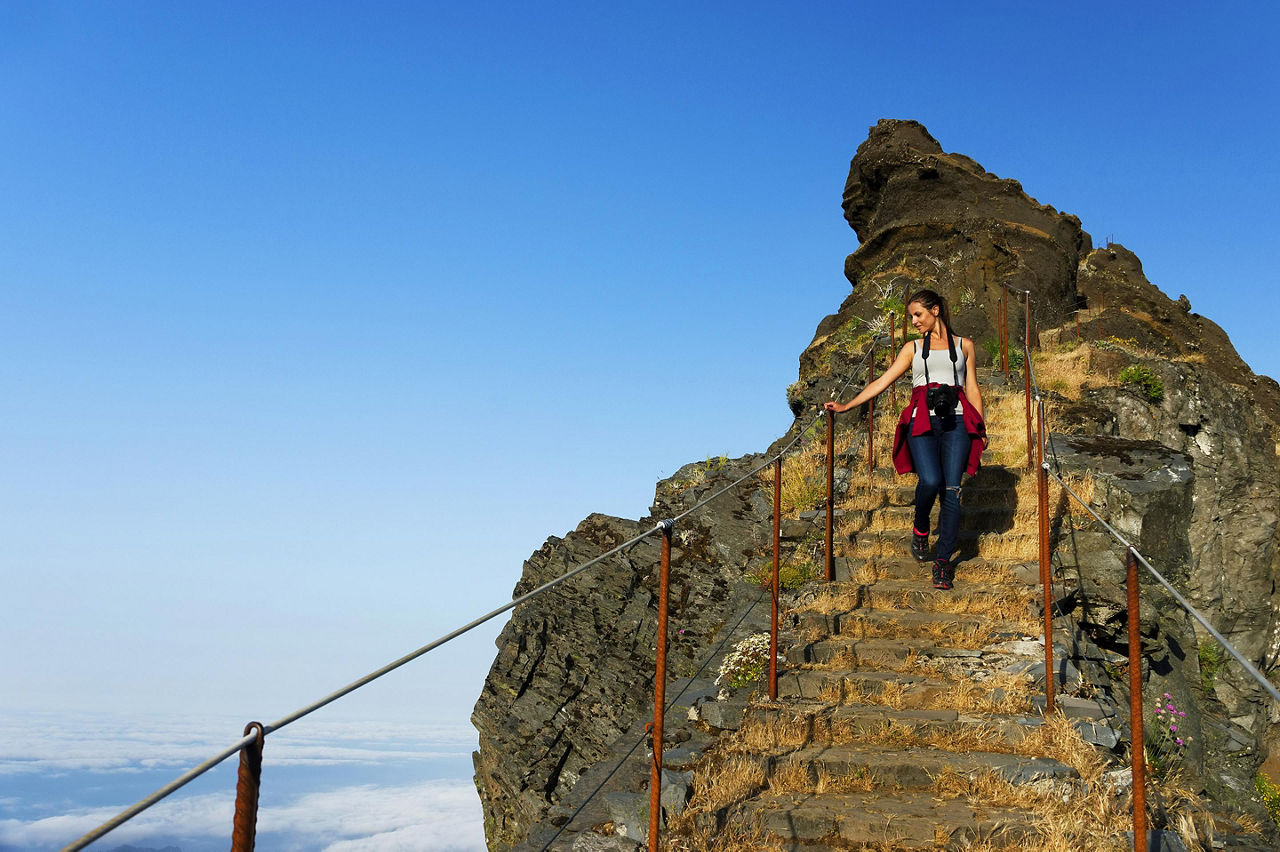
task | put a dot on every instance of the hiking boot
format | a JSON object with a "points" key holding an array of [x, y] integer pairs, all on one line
{"points": [[944, 572], [919, 545]]}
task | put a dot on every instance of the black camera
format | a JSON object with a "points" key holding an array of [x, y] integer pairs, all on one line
{"points": [[942, 399]]}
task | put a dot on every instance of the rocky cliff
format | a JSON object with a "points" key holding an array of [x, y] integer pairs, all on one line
{"points": [[1191, 475]]}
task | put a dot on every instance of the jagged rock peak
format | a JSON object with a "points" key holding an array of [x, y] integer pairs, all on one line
{"points": [[900, 175]]}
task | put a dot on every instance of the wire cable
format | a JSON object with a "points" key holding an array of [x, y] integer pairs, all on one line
{"points": [[147, 802]]}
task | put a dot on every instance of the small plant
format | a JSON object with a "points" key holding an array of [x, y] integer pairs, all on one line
{"points": [[1211, 660], [1118, 344], [1016, 358], [743, 665], [1269, 792], [791, 575], [1145, 379], [1166, 743], [795, 397]]}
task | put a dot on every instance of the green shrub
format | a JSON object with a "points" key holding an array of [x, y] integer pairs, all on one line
{"points": [[1211, 660], [1145, 379], [791, 575], [1016, 358]]}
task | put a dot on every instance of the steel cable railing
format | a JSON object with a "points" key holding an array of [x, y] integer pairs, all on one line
{"points": [[247, 787], [1133, 557], [728, 635]]}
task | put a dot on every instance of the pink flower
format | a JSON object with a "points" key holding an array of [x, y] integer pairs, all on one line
{"points": [[1173, 729], [1179, 741]]}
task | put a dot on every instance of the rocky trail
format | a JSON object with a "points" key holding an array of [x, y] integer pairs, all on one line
{"points": [[905, 714]]}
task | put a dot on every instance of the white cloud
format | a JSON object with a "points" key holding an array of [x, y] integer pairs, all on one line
{"points": [[438, 815], [48, 743]]}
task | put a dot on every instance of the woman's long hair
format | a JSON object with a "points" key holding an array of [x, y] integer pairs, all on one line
{"points": [[928, 300]]}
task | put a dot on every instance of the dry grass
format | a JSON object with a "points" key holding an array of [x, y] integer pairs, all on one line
{"points": [[719, 783], [1002, 692], [686, 837], [1057, 738], [804, 478], [1085, 815], [952, 738], [1063, 369]]}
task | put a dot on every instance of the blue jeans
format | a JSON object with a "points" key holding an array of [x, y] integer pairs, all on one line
{"points": [[940, 456]]}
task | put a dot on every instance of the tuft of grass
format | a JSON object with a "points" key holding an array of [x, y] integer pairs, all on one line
{"points": [[1212, 659], [1145, 379]]}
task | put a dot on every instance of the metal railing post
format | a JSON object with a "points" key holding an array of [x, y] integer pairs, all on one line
{"points": [[659, 688], [1137, 749], [831, 490], [893, 351], [777, 546], [244, 825], [871, 411], [1026, 375], [1043, 510], [1002, 319]]}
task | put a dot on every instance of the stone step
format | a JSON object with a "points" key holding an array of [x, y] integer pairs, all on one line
{"points": [[817, 684], [903, 623], [917, 594], [901, 519], [911, 768], [858, 652], [870, 653], [1018, 573], [902, 492], [823, 724], [970, 543], [906, 820]]}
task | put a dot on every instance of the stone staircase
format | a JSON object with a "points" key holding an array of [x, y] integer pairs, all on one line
{"points": [[907, 718]]}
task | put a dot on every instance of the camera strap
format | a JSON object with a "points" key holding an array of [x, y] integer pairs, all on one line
{"points": [[951, 348]]}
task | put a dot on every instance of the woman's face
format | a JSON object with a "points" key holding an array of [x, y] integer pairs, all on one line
{"points": [[922, 318]]}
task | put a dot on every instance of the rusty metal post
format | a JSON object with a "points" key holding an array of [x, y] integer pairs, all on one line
{"points": [[777, 546], [659, 687], [1139, 756], [893, 351], [831, 490], [1002, 314], [871, 412], [1050, 674], [1026, 376], [244, 824]]}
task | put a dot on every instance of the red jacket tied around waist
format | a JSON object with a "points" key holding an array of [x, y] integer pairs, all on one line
{"points": [[973, 424]]}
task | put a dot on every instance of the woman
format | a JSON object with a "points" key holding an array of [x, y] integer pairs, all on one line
{"points": [[937, 431]]}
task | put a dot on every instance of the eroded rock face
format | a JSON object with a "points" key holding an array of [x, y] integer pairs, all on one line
{"points": [[574, 668], [926, 218]]}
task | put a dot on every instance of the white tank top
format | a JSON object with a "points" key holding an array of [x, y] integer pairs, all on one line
{"points": [[939, 366]]}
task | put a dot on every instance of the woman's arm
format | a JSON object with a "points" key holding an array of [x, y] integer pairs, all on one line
{"points": [[971, 391], [899, 366]]}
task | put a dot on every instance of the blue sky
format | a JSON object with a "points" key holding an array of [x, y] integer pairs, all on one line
{"points": [[316, 319]]}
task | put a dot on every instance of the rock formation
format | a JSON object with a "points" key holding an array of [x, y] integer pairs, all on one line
{"points": [[1191, 477]]}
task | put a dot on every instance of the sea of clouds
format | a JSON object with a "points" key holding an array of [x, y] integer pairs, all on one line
{"points": [[329, 785]]}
